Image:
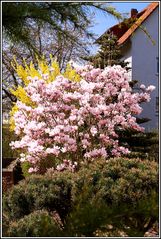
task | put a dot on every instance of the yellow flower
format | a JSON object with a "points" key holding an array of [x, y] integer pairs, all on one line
{"points": [[21, 71], [71, 74], [21, 95], [12, 112], [51, 71]]}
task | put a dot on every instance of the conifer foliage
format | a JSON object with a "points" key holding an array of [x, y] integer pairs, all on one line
{"points": [[18, 17]]}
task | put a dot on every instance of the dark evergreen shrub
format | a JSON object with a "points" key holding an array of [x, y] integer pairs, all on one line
{"points": [[122, 193], [36, 193], [119, 180], [144, 145], [36, 224]]}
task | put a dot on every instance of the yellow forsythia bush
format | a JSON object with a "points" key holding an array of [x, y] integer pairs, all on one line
{"points": [[25, 72]]}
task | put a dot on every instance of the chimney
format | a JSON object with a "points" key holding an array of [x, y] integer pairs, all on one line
{"points": [[134, 13]]}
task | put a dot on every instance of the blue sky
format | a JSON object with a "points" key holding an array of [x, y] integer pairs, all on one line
{"points": [[103, 21]]}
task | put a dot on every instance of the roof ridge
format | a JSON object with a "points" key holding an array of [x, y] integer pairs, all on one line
{"points": [[147, 11]]}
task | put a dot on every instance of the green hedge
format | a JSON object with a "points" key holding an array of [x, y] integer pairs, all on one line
{"points": [[120, 180], [36, 224], [119, 192], [36, 193]]}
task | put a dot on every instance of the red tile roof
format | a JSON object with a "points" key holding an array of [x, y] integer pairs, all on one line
{"points": [[123, 31], [145, 13]]}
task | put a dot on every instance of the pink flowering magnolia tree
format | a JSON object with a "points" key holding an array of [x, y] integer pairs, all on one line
{"points": [[76, 122]]}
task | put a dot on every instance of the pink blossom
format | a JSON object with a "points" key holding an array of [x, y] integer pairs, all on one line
{"points": [[67, 164], [96, 153], [55, 150], [150, 88], [142, 86], [85, 143], [93, 130], [32, 170], [77, 119], [73, 117]]}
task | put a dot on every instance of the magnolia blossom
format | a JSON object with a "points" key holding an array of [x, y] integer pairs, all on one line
{"points": [[93, 130], [96, 153], [77, 120], [142, 86], [32, 170], [150, 88], [67, 164]]}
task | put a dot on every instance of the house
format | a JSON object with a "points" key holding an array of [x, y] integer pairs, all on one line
{"points": [[139, 45]]}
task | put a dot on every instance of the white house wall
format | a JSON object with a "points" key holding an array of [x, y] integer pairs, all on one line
{"points": [[126, 52], [144, 64], [142, 55]]}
